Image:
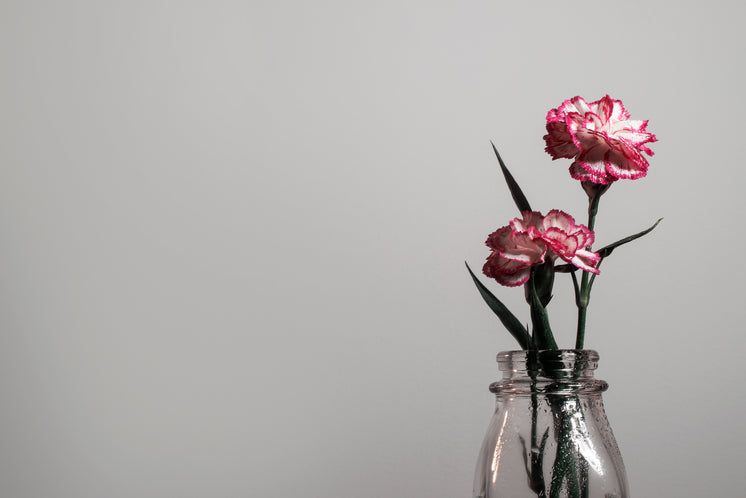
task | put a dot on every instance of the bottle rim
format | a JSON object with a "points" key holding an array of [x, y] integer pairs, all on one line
{"points": [[557, 358]]}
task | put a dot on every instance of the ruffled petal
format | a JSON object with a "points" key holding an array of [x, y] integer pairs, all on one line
{"points": [[559, 141], [605, 108], [530, 240], [497, 239], [506, 272], [530, 219], [559, 219], [625, 162], [586, 260], [579, 173], [607, 144], [593, 159], [514, 279]]}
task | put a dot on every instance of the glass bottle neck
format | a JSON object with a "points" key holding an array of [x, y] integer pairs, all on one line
{"points": [[564, 371]]}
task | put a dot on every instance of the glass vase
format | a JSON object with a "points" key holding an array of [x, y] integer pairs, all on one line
{"points": [[549, 435]]}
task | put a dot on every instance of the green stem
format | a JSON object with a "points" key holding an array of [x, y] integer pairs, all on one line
{"points": [[541, 330], [593, 201], [584, 488], [568, 463], [580, 338], [581, 313], [536, 453], [583, 295]]}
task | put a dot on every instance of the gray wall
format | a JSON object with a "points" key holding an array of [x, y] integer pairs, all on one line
{"points": [[233, 237]]}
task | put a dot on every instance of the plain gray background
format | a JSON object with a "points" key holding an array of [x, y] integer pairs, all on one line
{"points": [[233, 237]]}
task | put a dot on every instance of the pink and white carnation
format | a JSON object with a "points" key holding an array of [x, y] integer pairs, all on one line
{"points": [[530, 240], [515, 249], [568, 240], [605, 144]]}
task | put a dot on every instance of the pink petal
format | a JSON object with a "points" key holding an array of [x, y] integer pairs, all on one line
{"points": [[508, 273], [619, 113], [575, 104], [579, 173], [497, 239], [514, 279], [590, 257], [625, 162], [559, 142], [585, 237], [559, 219], [607, 144], [593, 159], [605, 108], [586, 260], [633, 131], [530, 219]]}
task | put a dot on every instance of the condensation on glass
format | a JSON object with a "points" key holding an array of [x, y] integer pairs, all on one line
{"points": [[549, 435]]}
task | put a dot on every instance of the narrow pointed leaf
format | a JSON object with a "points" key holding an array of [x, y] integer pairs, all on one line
{"points": [[576, 287], [605, 251], [544, 281], [508, 319], [543, 444], [526, 454], [515, 190], [566, 268], [540, 320]]}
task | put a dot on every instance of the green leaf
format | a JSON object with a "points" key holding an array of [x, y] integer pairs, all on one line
{"points": [[566, 268], [543, 278], [606, 250], [540, 320], [508, 319], [515, 190]]}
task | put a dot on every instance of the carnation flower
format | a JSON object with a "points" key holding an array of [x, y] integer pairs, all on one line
{"points": [[515, 249], [530, 240], [605, 144], [568, 240]]}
